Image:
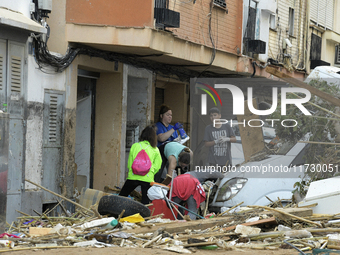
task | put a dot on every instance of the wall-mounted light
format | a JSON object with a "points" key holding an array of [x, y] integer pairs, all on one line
{"points": [[286, 43], [289, 44]]}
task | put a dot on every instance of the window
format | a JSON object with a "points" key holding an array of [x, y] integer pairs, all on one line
{"points": [[337, 54], [221, 3], [291, 22], [250, 30], [315, 47], [272, 21], [322, 12]]}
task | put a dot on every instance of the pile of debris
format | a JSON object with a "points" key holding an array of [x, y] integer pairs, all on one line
{"points": [[252, 227]]}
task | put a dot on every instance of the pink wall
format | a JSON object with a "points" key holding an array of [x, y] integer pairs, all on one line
{"points": [[127, 13], [226, 28]]}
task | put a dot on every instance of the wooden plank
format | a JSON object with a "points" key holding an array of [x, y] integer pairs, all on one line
{"points": [[271, 220], [34, 231], [287, 214], [198, 244], [176, 226], [206, 235], [301, 212], [302, 84], [252, 137]]}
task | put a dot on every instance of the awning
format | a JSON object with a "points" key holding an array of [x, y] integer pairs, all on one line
{"points": [[18, 20]]}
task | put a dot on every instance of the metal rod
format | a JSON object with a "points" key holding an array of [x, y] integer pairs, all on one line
{"points": [[296, 248], [168, 202], [56, 194], [172, 180], [187, 209]]}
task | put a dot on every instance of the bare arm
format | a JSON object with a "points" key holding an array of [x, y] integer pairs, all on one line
{"points": [[165, 136], [233, 139], [172, 164], [209, 143]]}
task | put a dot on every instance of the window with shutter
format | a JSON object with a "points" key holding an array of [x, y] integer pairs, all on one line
{"points": [[220, 3], [15, 58], [15, 74], [53, 119], [322, 12]]}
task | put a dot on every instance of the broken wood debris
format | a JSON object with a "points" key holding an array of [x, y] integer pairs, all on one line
{"points": [[253, 227]]}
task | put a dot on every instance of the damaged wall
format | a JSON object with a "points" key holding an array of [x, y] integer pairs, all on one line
{"points": [[108, 133]]}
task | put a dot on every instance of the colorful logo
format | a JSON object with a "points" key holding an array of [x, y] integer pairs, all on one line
{"points": [[205, 88]]}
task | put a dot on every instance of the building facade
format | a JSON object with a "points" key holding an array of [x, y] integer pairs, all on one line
{"points": [[93, 74]]}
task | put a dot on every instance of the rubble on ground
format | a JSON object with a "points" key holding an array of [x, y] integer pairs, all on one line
{"points": [[252, 227]]}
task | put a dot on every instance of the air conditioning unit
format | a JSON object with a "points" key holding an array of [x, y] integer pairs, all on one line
{"points": [[257, 46], [166, 18], [45, 5], [337, 54]]}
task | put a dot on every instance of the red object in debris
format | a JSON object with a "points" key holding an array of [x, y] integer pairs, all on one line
{"points": [[160, 206], [210, 215]]}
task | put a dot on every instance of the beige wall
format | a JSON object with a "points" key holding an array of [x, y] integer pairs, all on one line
{"points": [[276, 37], [109, 103], [56, 21], [108, 136], [176, 97], [336, 25]]}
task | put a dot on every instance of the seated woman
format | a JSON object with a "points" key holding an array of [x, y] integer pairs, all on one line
{"points": [[148, 142], [165, 131], [174, 155]]}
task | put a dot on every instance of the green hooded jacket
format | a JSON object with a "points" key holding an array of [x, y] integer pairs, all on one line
{"points": [[155, 158]]}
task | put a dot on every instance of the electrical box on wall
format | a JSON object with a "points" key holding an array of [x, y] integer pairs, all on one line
{"points": [[45, 5]]}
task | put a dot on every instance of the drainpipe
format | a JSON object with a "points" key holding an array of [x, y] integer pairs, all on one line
{"points": [[307, 8]]}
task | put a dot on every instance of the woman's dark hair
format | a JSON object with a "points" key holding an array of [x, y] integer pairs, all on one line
{"points": [[184, 156], [149, 134], [164, 108]]}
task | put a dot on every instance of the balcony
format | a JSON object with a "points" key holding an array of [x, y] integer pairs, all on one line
{"points": [[135, 27]]}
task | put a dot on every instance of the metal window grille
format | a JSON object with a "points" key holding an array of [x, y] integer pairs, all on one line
{"points": [[337, 54], [220, 3], [16, 74], [53, 119]]}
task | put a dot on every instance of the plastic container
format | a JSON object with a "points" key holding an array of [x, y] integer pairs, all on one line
{"points": [[86, 243], [283, 228], [4, 107], [298, 234], [100, 238], [97, 223], [210, 215], [182, 133], [111, 224], [6, 243]]}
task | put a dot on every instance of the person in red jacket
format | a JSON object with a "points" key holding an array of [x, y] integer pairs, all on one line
{"points": [[187, 188]]}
